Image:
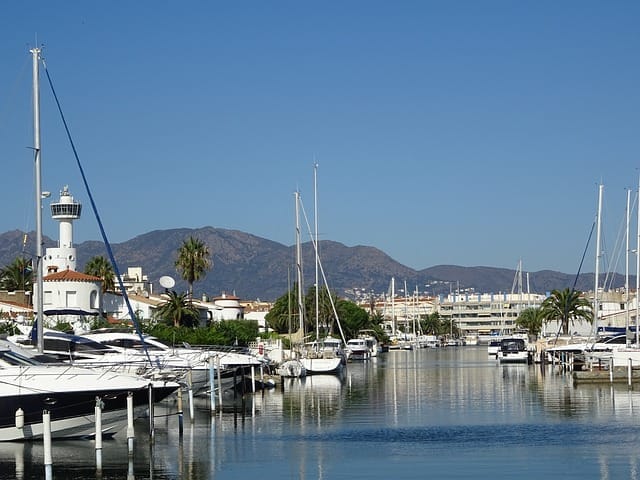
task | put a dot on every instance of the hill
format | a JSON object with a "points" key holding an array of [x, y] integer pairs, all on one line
{"points": [[257, 268]]}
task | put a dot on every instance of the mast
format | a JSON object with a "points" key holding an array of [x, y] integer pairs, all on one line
{"points": [[626, 269], [596, 305], [39, 318], [406, 310], [315, 234], [638, 267], [299, 266], [393, 305]]}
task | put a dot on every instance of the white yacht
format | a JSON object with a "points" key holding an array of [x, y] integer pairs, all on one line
{"points": [[357, 349], [513, 350], [29, 387], [231, 364]]}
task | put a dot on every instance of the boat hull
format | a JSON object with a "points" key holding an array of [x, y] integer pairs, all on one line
{"points": [[519, 357], [71, 409], [322, 365]]}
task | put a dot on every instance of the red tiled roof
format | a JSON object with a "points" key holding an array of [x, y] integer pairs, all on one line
{"points": [[71, 276], [15, 304]]}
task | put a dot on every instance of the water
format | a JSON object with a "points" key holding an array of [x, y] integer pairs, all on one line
{"points": [[434, 413]]}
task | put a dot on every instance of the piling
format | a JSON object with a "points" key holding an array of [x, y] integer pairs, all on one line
{"points": [[611, 370], [190, 394], [46, 439], [253, 379], [212, 396], [219, 383], [180, 413], [130, 430], [151, 413], [98, 444]]}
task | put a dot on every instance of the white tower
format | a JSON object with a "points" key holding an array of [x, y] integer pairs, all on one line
{"points": [[65, 211]]}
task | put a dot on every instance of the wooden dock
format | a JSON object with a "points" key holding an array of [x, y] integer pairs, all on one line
{"points": [[617, 375]]}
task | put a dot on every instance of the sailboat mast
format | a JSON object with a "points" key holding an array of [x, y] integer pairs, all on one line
{"points": [[638, 269], [315, 234], [35, 53], [596, 304], [406, 309], [626, 269], [393, 305], [299, 266]]}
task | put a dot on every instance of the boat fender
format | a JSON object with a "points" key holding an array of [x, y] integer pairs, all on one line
{"points": [[19, 418]]}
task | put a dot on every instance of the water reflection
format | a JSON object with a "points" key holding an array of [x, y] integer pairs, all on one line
{"points": [[394, 416]]}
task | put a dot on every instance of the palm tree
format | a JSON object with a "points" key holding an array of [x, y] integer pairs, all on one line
{"points": [[99, 266], [531, 319], [193, 261], [178, 310], [432, 324], [18, 275], [567, 306]]}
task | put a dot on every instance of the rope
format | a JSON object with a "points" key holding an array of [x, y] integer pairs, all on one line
{"points": [[95, 211], [575, 280]]}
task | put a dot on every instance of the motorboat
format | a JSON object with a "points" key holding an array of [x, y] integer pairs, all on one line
{"points": [[493, 348], [372, 342], [357, 349], [69, 393], [581, 352], [198, 361], [513, 350]]}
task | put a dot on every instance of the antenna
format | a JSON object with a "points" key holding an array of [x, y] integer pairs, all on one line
{"points": [[167, 282]]}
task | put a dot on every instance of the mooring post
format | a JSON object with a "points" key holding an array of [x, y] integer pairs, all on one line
{"points": [[130, 430], [151, 413], [219, 383], [180, 413], [46, 439], [212, 390], [253, 379], [611, 370], [98, 445], [190, 392]]}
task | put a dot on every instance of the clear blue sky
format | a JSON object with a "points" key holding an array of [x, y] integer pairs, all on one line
{"points": [[451, 132]]}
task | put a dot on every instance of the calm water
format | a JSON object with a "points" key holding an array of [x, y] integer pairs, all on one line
{"points": [[442, 413]]}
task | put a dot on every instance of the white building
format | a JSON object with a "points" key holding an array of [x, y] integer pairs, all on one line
{"points": [[224, 307], [68, 296]]}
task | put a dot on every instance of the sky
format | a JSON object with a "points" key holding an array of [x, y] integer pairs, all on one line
{"points": [[466, 132]]}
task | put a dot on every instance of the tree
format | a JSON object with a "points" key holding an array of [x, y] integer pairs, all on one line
{"points": [[567, 306], [179, 310], [283, 316], [193, 262], [432, 325], [18, 275], [325, 316], [531, 319], [449, 327], [99, 266], [352, 317]]}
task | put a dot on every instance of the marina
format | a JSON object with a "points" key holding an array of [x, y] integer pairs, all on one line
{"points": [[446, 412]]}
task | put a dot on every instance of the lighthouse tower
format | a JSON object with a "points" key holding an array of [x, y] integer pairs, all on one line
{"points": [[65, 211]]}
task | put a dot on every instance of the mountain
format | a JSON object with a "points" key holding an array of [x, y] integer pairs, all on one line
{"points": [[257, 268]]}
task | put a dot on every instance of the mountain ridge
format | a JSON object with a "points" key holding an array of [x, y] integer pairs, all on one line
{"points": [[257, 268]]}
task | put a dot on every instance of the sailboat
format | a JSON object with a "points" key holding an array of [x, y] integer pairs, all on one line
{"points": [[324, 355], [69, 394], [627, 355]]}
